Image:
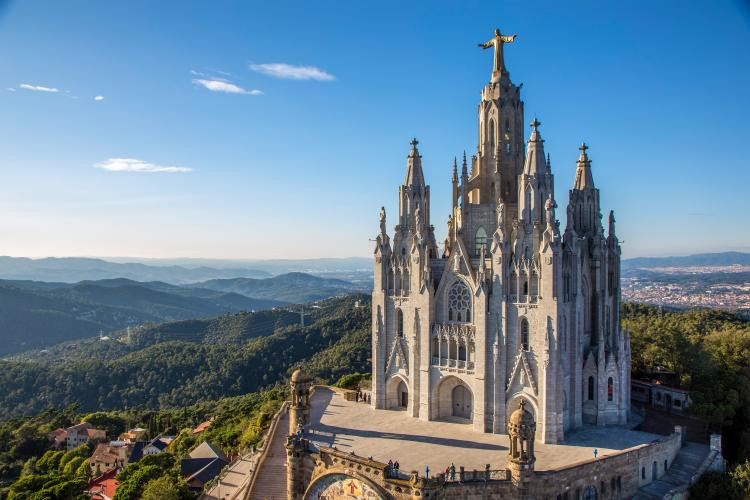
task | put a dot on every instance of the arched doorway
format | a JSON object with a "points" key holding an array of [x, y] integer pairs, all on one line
{"points": [[396, 393], [446, 394], [589, 493], [403, 395], [461, 402]]}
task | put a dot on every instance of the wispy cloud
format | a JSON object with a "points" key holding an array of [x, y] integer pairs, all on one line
{"points": [[38, 88], [220, 85], [10, 89], [99, 98], [133, 165], [292, 72]]}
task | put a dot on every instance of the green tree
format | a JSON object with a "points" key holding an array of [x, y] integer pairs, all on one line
{"points": [[714, 486], [29, 467], [741, 478], [132, 488], [84, 470], [162, 488], [71, 468]]}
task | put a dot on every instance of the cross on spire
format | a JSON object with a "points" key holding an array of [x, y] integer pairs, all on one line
{"points": [[414, 143], [583, 148], [535, 124]]}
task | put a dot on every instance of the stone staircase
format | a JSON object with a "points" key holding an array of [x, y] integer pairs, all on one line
{"points": [[678, 477], [270, 483]]}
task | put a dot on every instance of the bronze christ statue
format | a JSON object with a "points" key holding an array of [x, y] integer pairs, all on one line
{"points": [[497, 42]]}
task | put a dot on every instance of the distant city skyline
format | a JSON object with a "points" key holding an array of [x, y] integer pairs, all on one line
{"points": [[247, 130]]}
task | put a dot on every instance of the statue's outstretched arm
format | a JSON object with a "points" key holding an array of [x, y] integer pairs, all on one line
{"points": [[507, 38], [485, 45]]}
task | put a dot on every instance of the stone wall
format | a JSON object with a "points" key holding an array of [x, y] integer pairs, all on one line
{"points": [[616, 475]]}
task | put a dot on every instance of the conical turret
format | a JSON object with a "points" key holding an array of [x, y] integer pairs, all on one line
{"points": [[535, 162], [414, 174], [584, 179]]}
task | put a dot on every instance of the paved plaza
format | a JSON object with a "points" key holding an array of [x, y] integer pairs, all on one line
{"points": [[392, 435]]}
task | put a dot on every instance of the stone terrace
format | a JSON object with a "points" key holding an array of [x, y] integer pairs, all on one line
{"points": [[384, 434]]}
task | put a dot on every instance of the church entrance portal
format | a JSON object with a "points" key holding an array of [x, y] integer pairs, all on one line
{"points": [[461, 398], [396, 394], [403, 395]]}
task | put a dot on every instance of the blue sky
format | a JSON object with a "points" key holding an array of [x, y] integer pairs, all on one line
{"points": [[285, 167]]}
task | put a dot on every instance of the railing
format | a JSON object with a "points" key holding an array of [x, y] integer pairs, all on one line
{"points": [[465, 476], [453, 363]]}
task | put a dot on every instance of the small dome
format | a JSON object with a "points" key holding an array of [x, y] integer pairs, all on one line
{"points": [[522, 416], [298, 376]]}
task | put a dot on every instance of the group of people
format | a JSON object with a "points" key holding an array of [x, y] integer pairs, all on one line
{"points": [[392, 469], [450, 472], [363, 397]]}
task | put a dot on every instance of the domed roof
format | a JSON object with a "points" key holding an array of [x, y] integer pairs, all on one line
{"points": [[522, 416], [298, 376]]}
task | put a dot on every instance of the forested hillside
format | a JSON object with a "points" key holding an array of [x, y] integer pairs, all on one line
{"points": [[35, 315], [177, 364], [297, 288]]}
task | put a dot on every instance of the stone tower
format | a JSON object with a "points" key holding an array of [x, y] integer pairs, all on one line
{"points": [[299, 411], [297, 444], [512, 310], [521, 431]]}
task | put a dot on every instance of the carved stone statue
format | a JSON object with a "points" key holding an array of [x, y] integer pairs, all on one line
{"points": [[500, 213], [382, 220], [549, 208], [497, 42]]}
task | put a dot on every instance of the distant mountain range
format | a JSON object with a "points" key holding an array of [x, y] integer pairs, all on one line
{"points": [[701, 259], [291, 287], [75, 269], [36, 314]]}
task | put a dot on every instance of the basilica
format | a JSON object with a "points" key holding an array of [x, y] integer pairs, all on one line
{"points": [[510, 308]]}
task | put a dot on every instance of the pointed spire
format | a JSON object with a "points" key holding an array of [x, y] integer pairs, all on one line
{"points": [[549, 165], [535, 163], [414, 175], [584, 179], [464, 170], [454, 178]]}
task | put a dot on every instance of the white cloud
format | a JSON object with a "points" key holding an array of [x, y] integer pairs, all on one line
{"points": [[219, 85], [38, 88], [99, 98], [133, 165], [10, 89], [292, 72]]}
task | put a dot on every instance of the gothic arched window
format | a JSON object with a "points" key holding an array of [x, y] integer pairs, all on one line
{"points": [[492, 137], [507, 137], [399, 323], [459, 302], [534, 283], [480, 240], [610, 388], [524, 334], [591, 388]]}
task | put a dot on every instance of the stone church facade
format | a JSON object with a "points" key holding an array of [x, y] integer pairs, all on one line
{"points": [[510, 308]]}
